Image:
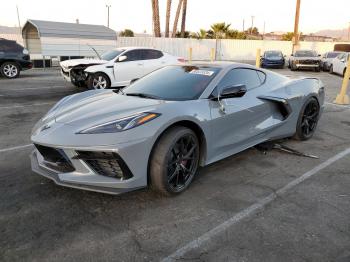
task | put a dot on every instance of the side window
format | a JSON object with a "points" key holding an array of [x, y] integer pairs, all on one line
{"points": [[149, 54], [242, 76], [134, 55]]}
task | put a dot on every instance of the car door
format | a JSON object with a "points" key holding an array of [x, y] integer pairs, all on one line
{"points": [[337, 63], [129, 69], [245, 118], [153, 59]]}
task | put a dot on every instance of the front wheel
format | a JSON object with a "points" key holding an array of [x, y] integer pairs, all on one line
{"points": [[174, 161], [308, 119], [10, 70], [99, 81]]}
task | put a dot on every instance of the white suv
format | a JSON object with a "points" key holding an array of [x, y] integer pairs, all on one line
{"points": [[116, 68]]}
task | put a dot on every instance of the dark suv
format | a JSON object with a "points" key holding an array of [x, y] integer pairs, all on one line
{"points": [[13, 58]]}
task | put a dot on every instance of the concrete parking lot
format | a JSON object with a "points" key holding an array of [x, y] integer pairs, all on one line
{"points": [[248, 207]]}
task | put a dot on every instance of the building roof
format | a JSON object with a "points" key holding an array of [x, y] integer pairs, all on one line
{"points": [[72, 30]]}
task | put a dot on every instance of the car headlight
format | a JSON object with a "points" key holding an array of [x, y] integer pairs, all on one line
{"points": [[122, 124], [25, 51]]}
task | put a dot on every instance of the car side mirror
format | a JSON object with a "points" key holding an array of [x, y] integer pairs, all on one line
{"points": [[122, 58], [342, 60], [233, 91]]}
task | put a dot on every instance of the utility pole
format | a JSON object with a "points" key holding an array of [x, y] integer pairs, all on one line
{"points": [[263, 35], [108, 6], [19, 22], [296, 26], [251, 28], [243, 26]]}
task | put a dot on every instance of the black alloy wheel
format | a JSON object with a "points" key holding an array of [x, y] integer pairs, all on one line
{"points": [[308, 119], [174, 161]]}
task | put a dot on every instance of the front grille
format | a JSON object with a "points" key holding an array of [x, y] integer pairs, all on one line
{"points": [[55, 159], [309, 62], [106, 164]]}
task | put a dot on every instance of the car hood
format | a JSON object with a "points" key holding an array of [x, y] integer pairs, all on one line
{"points": [[100, 106], [274, 58], [75, 62]]}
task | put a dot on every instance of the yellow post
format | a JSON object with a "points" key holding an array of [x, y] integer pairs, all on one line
{"points": [[212, 54], [342, 98], [190, 55], [257, 59]]}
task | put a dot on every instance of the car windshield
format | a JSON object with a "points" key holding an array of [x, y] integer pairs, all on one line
{"points": [[173, 83], [305, 53], [112, 54], [332, 54], [273, 54]]}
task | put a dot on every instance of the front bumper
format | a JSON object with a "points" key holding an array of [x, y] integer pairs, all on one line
{"points": [[65, 74], [307, 65], [88, 176]]}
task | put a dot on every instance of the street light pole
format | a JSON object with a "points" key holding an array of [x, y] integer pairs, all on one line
{"points": [[296, 26], [108, 6], [19, 22], [251, 28]]}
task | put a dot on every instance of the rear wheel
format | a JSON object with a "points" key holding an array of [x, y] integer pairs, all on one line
{"points": [[293, 67], [174, 161], [317, 69], [331, 69], [308, 119], [10, 70], [99, 81]]}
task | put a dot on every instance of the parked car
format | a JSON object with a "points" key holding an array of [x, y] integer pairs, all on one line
{"points": [[327, 59], [339, 64], [116, 68], [161, 128], [13, 58], [305, 59], [272, 59]]}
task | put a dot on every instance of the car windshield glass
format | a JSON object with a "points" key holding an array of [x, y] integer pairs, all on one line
{"points": [[273, 54], [332, 55], [305, 53], [112, 54], [173, 83]]}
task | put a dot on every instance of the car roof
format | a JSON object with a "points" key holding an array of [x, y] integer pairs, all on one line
{"points": [[136, 47]]}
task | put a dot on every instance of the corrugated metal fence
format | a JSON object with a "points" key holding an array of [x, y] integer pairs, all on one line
{"points": [[226, 49]]}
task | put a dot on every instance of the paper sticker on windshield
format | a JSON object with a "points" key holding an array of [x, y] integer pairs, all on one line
{"points": [[202, 72]]}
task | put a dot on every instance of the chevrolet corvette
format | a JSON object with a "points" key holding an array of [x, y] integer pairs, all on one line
{"points": [[160, 129]]}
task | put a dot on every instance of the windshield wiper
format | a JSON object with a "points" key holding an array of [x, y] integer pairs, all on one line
{"points": [[142, 95]]}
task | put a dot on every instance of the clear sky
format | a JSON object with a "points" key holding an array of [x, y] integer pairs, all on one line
{"points": [[136, 14]]}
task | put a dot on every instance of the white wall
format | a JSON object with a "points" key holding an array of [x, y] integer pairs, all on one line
{"points": [[227, 49]]}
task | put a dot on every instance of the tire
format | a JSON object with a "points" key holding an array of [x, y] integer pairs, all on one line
{"points": [[168, 167], [10, 70], [331, 70], [99, 81], [317, 69], [344, 71], [308, 119]]}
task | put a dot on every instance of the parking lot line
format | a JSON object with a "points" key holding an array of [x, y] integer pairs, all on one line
{"points": [[35, 88], [14, 148], [260, 204], [19, 106]]}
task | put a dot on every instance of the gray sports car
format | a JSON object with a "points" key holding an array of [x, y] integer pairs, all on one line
{"points": [[162, 127]]}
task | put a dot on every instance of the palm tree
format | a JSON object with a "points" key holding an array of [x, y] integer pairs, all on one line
{"points": [[220, 29], [201, 34], [183, 22], [177, 18], [156, 23], [167, 17]]}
